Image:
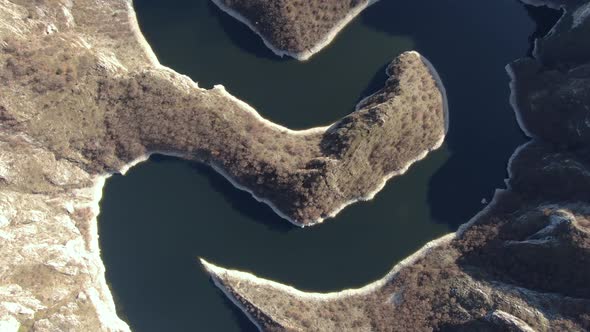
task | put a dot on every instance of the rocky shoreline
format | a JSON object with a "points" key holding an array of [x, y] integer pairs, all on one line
{"points": [[281, 31]]}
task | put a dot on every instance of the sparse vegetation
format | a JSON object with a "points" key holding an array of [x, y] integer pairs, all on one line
{"points": [[295, 25]]}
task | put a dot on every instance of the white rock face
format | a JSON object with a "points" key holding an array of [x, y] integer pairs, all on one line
{"points": [[510, 321], [580, 15], [9, 324], [52, 276]]}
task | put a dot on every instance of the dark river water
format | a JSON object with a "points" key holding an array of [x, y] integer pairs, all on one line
{"points": [[165, 213]]}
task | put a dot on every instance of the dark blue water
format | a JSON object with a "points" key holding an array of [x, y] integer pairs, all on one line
{"points": [[164, 213]]}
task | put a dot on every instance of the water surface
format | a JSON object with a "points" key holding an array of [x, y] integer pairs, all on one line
{"points": [[164, 213]]}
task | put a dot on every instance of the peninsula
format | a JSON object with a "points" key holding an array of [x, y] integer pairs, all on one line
{"points": [[296, 28]]}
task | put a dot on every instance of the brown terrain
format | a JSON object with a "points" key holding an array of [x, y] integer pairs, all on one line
{"points": [[298, 28], [522, 264]]}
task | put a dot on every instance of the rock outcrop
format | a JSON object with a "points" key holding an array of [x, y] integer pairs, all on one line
{"points": [[82, 97], [297, 28], [519, 265]]}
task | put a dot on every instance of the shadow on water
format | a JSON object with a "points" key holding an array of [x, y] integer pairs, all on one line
{"points": [[239, 200], [241, 320], [242, 201], [544, 18], [375, 84], [242, 36], [165, 213], [483, 130]]}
